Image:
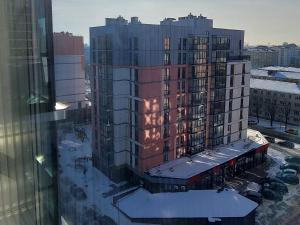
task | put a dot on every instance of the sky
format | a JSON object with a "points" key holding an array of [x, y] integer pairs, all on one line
{"points": [[264, 21]]}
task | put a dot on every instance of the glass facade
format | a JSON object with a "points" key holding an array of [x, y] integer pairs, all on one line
{"points": [[27, 135]]}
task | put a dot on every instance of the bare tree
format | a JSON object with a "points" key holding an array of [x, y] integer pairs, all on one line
{"points": [[271, 107], [257, 108], [286, 112]]}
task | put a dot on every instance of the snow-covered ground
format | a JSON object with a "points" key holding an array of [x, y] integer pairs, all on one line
{"points": [[93, 182]]}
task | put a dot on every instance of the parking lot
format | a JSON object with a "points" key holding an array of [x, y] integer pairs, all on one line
{"points": [[285, 211]]}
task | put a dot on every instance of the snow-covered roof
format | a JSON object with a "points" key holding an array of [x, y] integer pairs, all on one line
{"points": [[142, 204], [187, 167], [274, 85], [278, 72]]}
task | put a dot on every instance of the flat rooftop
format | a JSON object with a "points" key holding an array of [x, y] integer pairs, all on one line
{"points": [[275, 85], [278, 72], [210, 204], [187, 167]]}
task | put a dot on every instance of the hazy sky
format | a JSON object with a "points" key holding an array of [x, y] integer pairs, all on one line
{"points": [[265, 21]]}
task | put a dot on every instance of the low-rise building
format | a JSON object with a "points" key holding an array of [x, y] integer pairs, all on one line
{"points": [[275, 94]]}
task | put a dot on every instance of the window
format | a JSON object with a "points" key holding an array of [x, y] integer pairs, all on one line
{"points": [[231, 81], [230, 105], [244, 68], [241, 125], [166, 151], [167, 59], [232, 69], [242, 92], [167, 43], [179, 58], [243, 79], [136, 155], [242, 103], [241, 114], [231, 94], [229, 129], [184, 43], [229, 117]]}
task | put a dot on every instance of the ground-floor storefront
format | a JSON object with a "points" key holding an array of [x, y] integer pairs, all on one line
{"points": [[212, 178]]}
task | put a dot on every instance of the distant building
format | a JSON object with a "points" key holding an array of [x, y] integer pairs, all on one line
{"points": [[69, 70], [164, 92], [275, 94], [262, 56], [287, 55]]}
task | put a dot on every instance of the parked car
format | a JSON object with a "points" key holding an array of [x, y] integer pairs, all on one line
{"points": [[293, 159], [252, 122], [272, 179], [290, 166], [254, 196], [288, 178], [292, 131], [287, 144], [271, 195], [277, 187], [270, 139], [289, 171]]}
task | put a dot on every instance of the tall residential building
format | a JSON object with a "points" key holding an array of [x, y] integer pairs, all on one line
{"points": [[69, 69], [28, 183], [162, 92]]}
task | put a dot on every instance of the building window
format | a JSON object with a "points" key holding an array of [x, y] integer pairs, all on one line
{"points": [[242, 103], [229, 117], [136, 75], [244, 68], [243, 79], [136, 155], [167, 59], [135, 43], [230, 105], [184, 43], [167, 43], [241, 126], [231, 81], [184, 58], [231, 94], [166, 151], [231, 69], [229, 129], [241, 114], [242, 92]]}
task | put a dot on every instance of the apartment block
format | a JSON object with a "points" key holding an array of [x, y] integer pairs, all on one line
{"points": [[69, 66], [165, 91], [275, 94]]}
